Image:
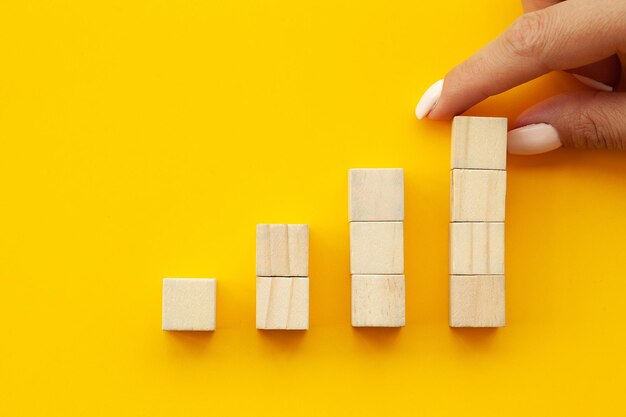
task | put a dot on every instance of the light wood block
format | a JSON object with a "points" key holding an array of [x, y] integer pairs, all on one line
{"points": [[378, 301], [376, 194], [377, 248], [479, 142], [477, 248], [477, 301], [188, 304], [282, 250], [282, 303], [477, 195]]}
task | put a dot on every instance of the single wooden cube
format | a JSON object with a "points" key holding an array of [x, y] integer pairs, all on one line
{"points": [[188, 304], [479, 142], [376, 194], [477, 301], [377, 247], [476, 248], [282, 303], [378, 301], [477, 195], [282, 250]]}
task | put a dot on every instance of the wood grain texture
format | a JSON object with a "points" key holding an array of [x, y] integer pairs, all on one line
{"points": [[477, 195], [479, 142], [376, 194], [378, 301], [282, 250], [477, 248], [377, 247], [189, 304], [477, 301], [282, 303]]}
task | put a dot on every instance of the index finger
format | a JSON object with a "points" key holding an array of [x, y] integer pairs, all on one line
{"points": [[567, 35]]}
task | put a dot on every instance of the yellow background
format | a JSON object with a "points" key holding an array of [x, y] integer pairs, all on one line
{"points": [[145, 139]]}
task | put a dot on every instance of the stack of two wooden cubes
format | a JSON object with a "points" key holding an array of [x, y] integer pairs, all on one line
{"points": [[477, 208], [282, 283], [376, 215]]}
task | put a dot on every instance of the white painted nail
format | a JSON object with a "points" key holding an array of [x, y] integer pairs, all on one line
{"points": [[429, 100], [533, 139], [590, 82]]}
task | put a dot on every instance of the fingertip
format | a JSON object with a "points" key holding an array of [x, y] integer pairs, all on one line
{"points": [[533, 139], [441, 109], [429, 100], [457, 94]]}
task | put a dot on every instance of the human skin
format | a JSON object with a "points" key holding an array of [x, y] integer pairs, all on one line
{"points": [[585, 38]]}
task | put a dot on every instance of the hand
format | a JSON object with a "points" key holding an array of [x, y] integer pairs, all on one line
{"points": [[585, 38]]}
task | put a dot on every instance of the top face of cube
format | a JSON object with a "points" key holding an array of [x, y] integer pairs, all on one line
{"points": [[478, 143], [376, 194], [282, 250]]}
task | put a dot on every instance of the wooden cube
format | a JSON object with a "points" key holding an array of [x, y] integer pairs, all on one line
{"points": [[282, 303], [477, 195], [282, 250], [477, 301], [378, 301], [479, 142], [188, 304], [376, 194], [476, 248], [377, 248]]}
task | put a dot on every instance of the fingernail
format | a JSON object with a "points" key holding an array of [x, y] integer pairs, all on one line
{"points": [[429, 100], [590, 82], [533, 139]]}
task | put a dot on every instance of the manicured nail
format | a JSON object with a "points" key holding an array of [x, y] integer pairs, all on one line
{"points": [[533, 139], [429, 100], [590, 82]]}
